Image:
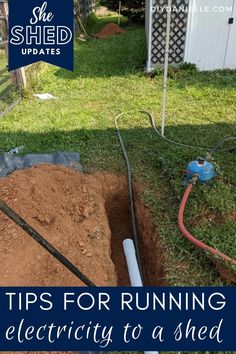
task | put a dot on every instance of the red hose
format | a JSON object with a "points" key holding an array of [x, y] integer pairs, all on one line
{"points": [[190, 237]]}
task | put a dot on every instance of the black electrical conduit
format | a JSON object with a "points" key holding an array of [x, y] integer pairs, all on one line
{"points": [[211, 151], [131, 196], [11, 214]]}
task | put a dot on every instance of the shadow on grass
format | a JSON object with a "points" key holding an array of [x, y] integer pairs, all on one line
{"points": [[100, 150], [222, 79]]}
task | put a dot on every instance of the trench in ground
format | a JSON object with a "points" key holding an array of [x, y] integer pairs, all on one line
{"points": [[151, 252], [62, 204]]}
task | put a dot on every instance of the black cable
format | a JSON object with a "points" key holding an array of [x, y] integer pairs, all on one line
{"points": [[196, 147], [131, 196], [212, 150], [44, 243], [217, 146]]}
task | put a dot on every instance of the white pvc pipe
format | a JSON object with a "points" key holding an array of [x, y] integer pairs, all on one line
{"points": [[132, 264], [133, 269], [150, 19], [168, 24]]}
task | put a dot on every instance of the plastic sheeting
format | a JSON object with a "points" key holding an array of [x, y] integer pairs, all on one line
{"points": [[10, 162]]}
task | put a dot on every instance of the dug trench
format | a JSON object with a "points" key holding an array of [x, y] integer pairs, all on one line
{"points": [[117, 207], [86, 217]]}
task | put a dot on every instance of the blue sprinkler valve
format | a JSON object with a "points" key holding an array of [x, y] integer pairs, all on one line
{"points": [[203, 169]]}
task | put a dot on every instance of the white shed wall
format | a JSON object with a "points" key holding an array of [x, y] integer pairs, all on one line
{"points": [[210, 40], [230, 57]]}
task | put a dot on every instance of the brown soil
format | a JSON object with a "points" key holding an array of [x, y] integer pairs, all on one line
{"points": [[85, 216], [212, 217], [117, 208], [225, 273], [67, 208], [110, 29]]}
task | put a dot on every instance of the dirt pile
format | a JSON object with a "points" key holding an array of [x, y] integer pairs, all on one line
{"points": [[110, 29], [68, 209]]}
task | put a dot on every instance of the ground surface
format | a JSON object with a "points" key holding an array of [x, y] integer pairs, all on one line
{"points": [[66, 208], [86, 218], [2, 59], [109, 79]]}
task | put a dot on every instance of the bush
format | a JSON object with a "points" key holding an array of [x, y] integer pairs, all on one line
{"points": [[176, 72], [134, 9]]}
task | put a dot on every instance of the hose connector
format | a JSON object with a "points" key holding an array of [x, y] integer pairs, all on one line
{"points": [[194, 180]]}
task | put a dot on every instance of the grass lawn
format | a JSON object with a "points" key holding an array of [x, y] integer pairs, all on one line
{"points": [[108, 79], [3, 60]]}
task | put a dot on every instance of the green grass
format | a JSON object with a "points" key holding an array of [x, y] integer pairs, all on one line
{"points": [[3, 60], [108, 79]]}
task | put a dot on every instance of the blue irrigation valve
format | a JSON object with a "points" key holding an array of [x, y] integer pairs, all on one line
{"points": [[201, 168]]}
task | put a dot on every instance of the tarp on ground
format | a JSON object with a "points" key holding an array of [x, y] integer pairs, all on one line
{"points": [[11, 162]]}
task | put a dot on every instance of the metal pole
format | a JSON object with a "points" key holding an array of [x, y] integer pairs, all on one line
{"points": [[168, 24]]}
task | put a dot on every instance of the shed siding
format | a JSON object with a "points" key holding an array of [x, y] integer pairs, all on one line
{"points": [[197, 35], [208, 36], [230, 57]]}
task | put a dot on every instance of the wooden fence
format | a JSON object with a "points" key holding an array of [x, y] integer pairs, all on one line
{"points": [[11, 83]]}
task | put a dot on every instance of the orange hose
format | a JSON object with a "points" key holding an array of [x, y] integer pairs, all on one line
{"points": [[193, 239]]}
